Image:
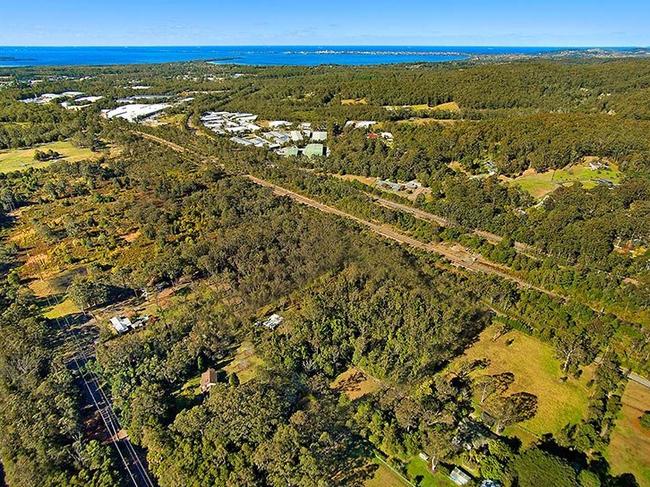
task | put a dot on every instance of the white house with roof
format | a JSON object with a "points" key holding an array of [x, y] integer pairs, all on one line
{"points": [[121, 324], [272, 322]]}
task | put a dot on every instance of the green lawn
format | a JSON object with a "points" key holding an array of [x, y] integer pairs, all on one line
{"points": [[64, 308], [245, 364], [191, 388], [418, 468], [629, 447], [540, 184], [537, 371], [20, 159]]}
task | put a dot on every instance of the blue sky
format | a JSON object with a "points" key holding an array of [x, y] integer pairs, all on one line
{"points": [[325, 22]]}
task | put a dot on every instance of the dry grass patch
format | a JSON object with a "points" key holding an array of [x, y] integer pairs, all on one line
{"points": [[354, 101], [629, 447], [353, 177], [537, 371], [451, 106], [355, 383], [384, 477], [428, 121], [131, 237]]}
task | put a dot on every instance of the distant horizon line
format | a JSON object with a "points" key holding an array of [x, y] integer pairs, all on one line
{"points": [[126, 46]]}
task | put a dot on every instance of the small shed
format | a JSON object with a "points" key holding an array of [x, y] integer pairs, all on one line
{"points": [[459, 476], [208, 379]]}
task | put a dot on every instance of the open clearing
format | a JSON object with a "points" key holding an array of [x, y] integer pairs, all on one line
{"points": [[428, 121], [20, 159], [536, 371], [541, 184], [410, 194], [629, 448], [354, 101], [245, 364], [384, 477], [418, 469], [355, 383], [451, 106], [64, 308]]}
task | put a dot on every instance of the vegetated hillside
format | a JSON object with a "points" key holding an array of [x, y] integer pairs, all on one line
{"points": [[171, 227]]}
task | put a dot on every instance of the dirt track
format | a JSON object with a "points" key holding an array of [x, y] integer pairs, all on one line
{"points": [[456, 254], [160, 140], [443, 222]]}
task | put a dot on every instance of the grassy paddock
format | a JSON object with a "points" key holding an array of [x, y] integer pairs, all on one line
{"points": [[537, 371], [245, 363], [384, 477], [418, 468], [21, 159], [541, 184], [629, 448]]}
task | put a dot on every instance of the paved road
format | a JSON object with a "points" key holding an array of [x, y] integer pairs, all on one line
{"points": [[639, 379]]}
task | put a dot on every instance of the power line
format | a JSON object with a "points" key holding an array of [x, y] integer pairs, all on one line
{"points": [[106, 412]]}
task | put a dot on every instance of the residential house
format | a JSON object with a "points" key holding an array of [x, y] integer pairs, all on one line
{"points": [[121, 324], [272, 322], [208, 379]]}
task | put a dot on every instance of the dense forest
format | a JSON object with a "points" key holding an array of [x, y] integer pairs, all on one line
{"points": [[373, 367]]}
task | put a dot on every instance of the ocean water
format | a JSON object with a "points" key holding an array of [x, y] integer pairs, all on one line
{"points": [[16, 56]]}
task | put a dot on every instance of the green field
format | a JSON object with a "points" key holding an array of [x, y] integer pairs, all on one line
{"points": [[541, 184], [629, 447], [537, 371], [245, 363], [419, 469], [20, 159]]}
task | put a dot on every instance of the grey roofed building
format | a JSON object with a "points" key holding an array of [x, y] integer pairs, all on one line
{"points": [[239, 140], [319, 136], [279, 123]]}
